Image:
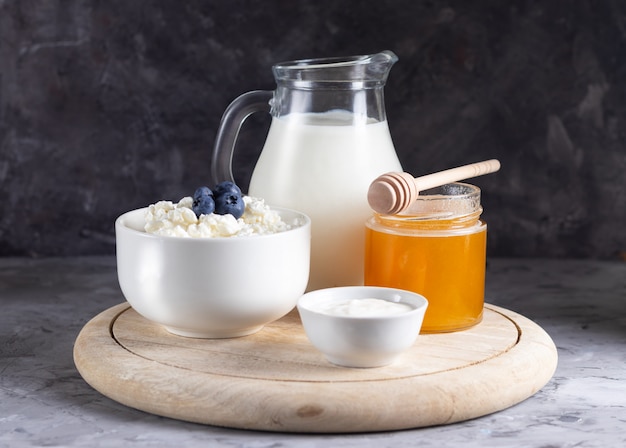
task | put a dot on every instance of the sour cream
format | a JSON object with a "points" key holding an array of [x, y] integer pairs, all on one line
{"points": [[368, 307]]}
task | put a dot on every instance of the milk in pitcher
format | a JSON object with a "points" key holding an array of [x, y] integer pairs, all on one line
{"points": [[322, 164]]}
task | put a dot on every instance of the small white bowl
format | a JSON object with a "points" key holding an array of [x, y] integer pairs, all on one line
{"points": [[212, 287], [361, 341]]}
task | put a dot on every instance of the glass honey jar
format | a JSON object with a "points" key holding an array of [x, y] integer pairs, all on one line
{"points": [[437, 248]]}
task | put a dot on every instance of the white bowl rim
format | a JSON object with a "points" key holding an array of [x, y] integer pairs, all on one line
{"points": [[418, 302], [119, 223]]}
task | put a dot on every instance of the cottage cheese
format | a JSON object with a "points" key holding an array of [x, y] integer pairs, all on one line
{"points": [[169, 219]]}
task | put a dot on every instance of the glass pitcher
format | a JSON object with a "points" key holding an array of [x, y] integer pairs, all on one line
{"points": [[328, 140]]}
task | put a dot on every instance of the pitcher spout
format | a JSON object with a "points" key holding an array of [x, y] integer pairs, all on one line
{"points": [[379, 64]]}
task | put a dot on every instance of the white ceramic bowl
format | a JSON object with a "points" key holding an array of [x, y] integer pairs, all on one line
{"points": [[212, 287], [352, 341]]}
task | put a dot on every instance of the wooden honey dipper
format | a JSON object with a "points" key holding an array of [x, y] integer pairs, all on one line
{"points": [[392, 193]]}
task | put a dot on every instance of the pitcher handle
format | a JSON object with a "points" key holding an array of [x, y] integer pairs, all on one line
{"points": [[234, 116]]}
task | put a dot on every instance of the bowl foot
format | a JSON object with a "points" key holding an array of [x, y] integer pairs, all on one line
{"points": [[213, 334], [361, 363]]}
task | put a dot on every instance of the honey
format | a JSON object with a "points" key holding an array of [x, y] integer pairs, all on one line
{"points": [[436, 248]]}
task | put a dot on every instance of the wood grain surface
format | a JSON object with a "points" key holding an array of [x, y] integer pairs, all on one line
{"points": [[275, 380]]}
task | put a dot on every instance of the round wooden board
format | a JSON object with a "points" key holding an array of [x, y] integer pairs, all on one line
{"points": [[275, 380]]}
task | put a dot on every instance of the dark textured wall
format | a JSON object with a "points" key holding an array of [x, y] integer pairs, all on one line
{"points": [[107, 106]]}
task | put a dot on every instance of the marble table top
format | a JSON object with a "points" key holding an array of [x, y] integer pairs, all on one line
{"points": [[45, 402]]}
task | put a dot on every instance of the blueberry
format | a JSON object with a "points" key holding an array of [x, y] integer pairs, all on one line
{"points": [[203, 205], [202, 191], [226, 187], [229, 203]]}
